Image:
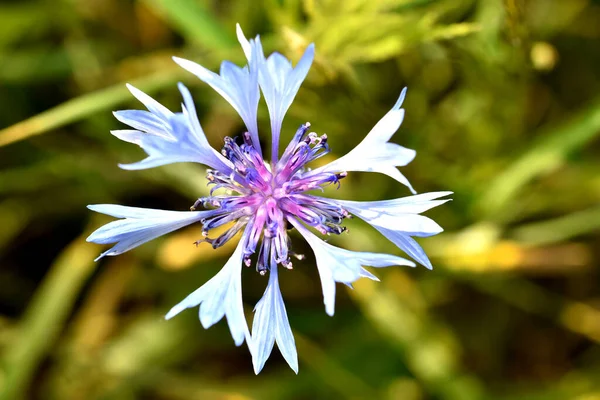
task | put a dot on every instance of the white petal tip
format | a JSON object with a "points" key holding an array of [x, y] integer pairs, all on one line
{"points": [[132, 88], [426, 263], [400, 99], [258, 368], [239, 32], [239, 341], [174, 311]]}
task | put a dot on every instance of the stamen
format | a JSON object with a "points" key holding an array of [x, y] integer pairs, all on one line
{"points": [[263, 201]]}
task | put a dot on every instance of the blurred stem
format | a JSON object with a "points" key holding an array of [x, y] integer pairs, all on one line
{"points": [[83, 106], [559, 229], [339, 378], [544, 156], [45, 317]]}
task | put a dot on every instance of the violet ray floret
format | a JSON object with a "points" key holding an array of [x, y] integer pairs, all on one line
{"points": [[265, 201]]}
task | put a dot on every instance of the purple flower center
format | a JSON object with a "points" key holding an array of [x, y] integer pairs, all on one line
{"points": [[265, 197]]}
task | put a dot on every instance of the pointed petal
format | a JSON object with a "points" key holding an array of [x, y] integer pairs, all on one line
{"points": [[366, 274], [375, 153], [271, 325], [404, 205], [243, 41], [239, 86], [138, 226], [152, 105], [145, 121], [280, 83], [406, 244], [221, 297], [398, 220], [398, 214], [340, 265], [167, 137], [278, 80]]}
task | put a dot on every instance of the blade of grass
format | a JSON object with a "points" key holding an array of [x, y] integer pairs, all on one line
{"points": [[194, 22], [83, 106], [559, 229], [547, 154]]}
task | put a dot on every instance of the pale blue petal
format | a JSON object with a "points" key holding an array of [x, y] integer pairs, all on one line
{"points": [[145, 122], [138, 226], [280, 83], [404, 205], [189, 110], [243, 41], [398, 220], [185, 147], [221, 297], [375, 153], [366, 274], [239, 86], [411, 224], [278, 80], [152, 105], [167, 137], [271, 325], [399, 214], [340, 265], [406, 244]]}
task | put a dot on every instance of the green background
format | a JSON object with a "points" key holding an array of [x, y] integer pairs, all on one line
{"points": [[503, 109]]}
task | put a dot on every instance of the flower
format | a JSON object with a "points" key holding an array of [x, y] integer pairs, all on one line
{"points": [[265, 201]]}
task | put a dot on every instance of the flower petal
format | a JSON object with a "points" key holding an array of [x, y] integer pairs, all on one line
{"points": [[167, 137], [239, 86], [278, 80], [138, 226], [375, 153], [271, 325], [221, 297], [152, 105], [146, 122], [398, 220], [404, 205], [340, 265], [406, 244]]}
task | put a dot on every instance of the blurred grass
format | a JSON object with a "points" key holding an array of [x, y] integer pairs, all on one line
{"points": [[502, 109]]}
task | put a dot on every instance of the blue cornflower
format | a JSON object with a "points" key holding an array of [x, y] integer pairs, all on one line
{"points": [[264, 200]]}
